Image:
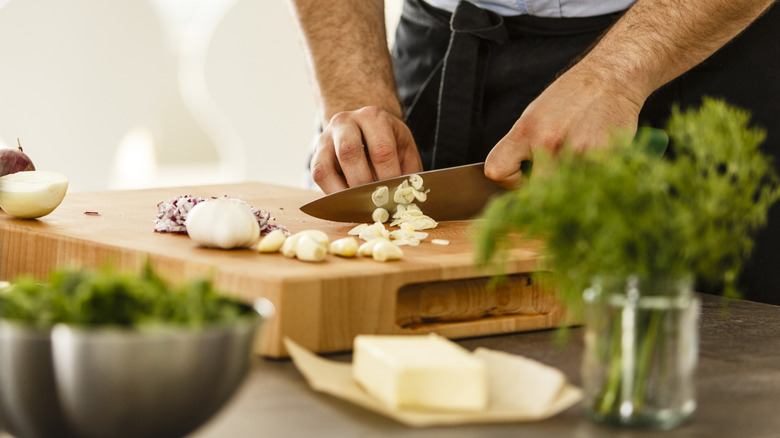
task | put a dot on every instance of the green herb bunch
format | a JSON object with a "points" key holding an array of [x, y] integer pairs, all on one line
{"points": [[112, 297], [620, 211]]}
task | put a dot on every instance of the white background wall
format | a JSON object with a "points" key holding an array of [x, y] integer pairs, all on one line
{"points": [[142, 93]]}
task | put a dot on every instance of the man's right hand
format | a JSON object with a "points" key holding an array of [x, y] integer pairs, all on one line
{"points": [[362, 146]]}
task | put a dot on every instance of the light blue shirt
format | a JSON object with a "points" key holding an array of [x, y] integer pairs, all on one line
{"points": [[542, 8]]}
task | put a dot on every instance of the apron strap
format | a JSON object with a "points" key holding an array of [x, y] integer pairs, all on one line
{"points": [[470, 26]]}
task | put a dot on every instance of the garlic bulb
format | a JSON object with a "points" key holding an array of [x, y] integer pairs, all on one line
{"points": [[222, 223]]}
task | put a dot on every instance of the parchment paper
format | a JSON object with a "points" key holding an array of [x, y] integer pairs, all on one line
{"points": [[520, 389]]}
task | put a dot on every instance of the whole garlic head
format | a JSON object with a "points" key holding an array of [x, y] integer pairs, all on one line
{"points": [[222, 223]]}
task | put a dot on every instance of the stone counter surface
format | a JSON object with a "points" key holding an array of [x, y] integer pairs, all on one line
{"points": [[738, 395]]}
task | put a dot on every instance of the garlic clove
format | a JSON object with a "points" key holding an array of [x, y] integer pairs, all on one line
{"points": [[272, 242], [222, 223], [367, 249], [345, 247], [33, 193], [308, 249], [320, 236], [386, 251], [288, 247]]}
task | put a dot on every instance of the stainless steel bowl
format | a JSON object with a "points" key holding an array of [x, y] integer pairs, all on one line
{"points": [[161, 381], [29, 402]]}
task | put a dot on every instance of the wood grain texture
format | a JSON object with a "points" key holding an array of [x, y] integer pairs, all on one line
{"points": [[322, 306]]}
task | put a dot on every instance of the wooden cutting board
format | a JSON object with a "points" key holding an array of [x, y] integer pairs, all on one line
{"points": [[322, 306]]}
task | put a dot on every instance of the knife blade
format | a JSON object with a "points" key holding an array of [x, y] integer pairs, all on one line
{"points": [[456, 193]]}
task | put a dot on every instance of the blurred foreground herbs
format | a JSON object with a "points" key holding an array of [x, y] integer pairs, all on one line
{"points": [[620, 211], [112, 297]]}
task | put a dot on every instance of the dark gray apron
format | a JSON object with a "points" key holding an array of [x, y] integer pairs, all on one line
{"points": [[465, 78]]}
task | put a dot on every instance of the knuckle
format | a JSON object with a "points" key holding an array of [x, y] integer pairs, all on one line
{"points": [[349, 151], [371, 111], [319, 172], [383, 152]]}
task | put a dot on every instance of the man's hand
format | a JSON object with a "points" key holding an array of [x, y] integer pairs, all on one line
{"points": [[577, 111], [361, 146], [654, 42]]}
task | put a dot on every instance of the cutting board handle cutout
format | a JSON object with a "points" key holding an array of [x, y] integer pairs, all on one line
{"points": [[473, 299]]}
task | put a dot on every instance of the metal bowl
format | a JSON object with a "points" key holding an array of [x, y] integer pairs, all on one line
{"points": [[29, 403], [162, 381]]}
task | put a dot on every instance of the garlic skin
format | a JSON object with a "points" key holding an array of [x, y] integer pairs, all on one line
{"points": [[222, 223]]}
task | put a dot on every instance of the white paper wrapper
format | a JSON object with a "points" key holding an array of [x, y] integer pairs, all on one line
{"points": [[520, 389]]}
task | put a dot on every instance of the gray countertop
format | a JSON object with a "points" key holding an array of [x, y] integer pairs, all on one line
{"points": [[738, 382]]}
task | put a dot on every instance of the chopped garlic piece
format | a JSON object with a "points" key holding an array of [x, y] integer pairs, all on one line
{"points": [[381, 196], [420, 196], [403, 195], [380, 215], [357, 230], [416, 181], [373, 231], [440, 242]]}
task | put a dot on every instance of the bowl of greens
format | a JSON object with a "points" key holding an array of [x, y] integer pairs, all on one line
{"points": [[97, 353]]}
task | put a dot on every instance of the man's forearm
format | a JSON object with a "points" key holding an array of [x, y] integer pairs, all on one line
{"points": [[347, 51], [657, 40]]}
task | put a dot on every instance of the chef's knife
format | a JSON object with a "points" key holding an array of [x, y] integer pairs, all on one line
{"points": [[456, 193]]}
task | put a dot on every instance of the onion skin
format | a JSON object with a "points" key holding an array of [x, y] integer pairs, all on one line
{"points": [[14, 160]]}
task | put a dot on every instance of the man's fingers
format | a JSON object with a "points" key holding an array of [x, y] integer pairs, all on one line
{"points": [[504, 163], [349, 150], [325, 170], [381, 142]]}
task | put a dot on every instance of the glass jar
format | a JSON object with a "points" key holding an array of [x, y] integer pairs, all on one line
{"points": [[641, 352]]}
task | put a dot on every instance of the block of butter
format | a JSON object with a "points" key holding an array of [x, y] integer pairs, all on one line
{"points": [[420, 372]]}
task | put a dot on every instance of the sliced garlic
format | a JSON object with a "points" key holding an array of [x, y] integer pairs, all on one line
{"points": [[345, 247], [380, 215], [374, 231], [33, 193], [308, 249], [357, 230], [407, 235], [416, 181], [403, 195], [386, 251], [419, 195], [440, 242], [222, 223], [272, 242], [381, 196]]}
